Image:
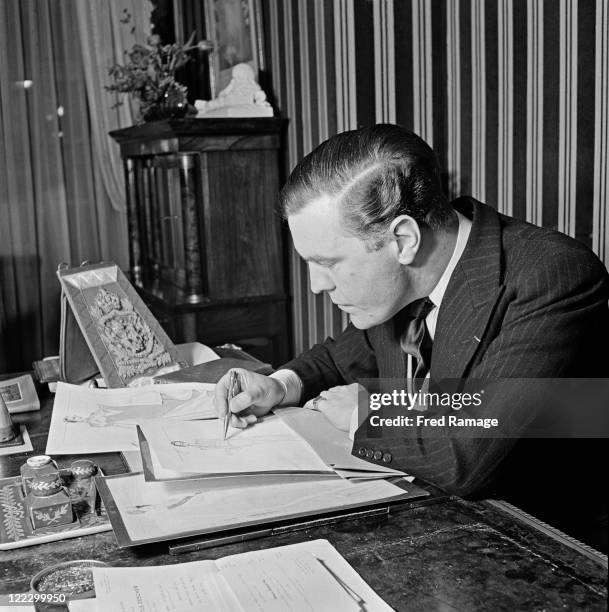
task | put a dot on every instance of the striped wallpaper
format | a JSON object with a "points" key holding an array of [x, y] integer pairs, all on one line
{"points": [[512, 94]]}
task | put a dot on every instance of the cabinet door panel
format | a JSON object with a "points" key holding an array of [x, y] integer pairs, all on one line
{"points": [[241, 228]]}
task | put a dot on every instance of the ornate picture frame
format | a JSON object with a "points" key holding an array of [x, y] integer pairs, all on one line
{"points": [[235, 27]]}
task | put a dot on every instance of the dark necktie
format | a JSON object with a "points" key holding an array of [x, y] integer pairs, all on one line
{"points": [[416, 340]]}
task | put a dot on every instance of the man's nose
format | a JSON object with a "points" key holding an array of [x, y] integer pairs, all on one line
{"points": [[320, 280]]}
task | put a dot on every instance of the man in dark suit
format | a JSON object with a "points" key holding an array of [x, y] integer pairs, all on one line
{"points": [[442, 291]]}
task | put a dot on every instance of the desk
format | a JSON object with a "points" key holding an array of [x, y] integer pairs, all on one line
{"points": [[453, 555]]}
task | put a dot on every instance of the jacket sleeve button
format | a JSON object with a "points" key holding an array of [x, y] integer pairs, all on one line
{"points": [[387, 457], [361, 452], [369, 453], [378, 455]]}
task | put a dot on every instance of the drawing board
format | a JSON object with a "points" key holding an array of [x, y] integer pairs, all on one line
{"points": [[143, 512]]}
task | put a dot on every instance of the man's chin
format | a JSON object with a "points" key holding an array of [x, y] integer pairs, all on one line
{"points": [[367, 320], [363, 321]]}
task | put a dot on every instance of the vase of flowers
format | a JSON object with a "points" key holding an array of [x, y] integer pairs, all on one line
{"points": [[148, 75]]}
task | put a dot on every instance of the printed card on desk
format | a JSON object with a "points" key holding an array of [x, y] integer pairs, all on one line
{"points": [[19, 394]]}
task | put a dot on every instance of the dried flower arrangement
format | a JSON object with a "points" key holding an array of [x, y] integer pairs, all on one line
{"points": [[149, 76]]}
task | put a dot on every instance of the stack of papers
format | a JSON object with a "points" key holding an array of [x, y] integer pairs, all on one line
{"points": [[294, 441], [180, 437], [306, 576], [197, 449], [197, 483], [194, 482]]}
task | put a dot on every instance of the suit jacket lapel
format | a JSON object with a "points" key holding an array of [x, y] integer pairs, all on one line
{"points": [[471, 295]]}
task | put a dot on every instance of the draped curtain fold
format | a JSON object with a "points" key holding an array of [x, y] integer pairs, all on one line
{"points": [[61, 184], [106, 28]]}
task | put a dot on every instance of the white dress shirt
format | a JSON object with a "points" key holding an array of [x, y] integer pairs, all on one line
{"points": [[437, 293]]}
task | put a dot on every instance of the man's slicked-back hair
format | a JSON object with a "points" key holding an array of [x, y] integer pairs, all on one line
{"points": [[374, 174]]}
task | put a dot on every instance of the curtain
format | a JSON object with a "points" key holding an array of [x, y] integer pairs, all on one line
{"points": [[61, 191], [106, 29]]}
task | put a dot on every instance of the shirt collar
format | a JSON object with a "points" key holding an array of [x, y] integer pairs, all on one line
{"points": [[465, 226]]}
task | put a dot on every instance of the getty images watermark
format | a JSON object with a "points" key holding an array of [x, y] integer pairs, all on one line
{"points": [[426, 400], [503, 408]]}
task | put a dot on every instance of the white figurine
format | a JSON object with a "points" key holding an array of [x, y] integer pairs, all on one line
{"points": [[242, 97]]}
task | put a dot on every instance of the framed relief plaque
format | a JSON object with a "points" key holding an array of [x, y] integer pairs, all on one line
{"points": [[122, 335]]}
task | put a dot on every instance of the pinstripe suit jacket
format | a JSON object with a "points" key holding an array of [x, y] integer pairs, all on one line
{"points": [[523, 301]]}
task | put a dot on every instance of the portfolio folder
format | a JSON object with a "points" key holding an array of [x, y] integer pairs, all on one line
{"points": [[216, 511], [107, 328]]}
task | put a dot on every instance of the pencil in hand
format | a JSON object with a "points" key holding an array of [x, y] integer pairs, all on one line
{"points": [[234, 388]]}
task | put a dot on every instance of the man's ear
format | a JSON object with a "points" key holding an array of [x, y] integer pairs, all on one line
{"points": [[407, 235]]}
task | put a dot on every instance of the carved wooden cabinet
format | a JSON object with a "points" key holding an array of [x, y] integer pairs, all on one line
{"points": [[205, 238]]}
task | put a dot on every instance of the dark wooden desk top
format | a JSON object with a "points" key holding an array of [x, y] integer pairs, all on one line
{"points": [[453, 555]]}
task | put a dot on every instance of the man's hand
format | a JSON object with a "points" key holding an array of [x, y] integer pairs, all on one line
{"points": [[337, 404], [258, 395]]}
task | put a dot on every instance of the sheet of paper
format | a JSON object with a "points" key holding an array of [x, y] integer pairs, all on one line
{"points": [[365, 479], [361, 475], [153, 471], [332, 445], [83, 605], [194, 353], [298, 577], [88, 421], [285, 582], [159, 510], [133, 459], [304, 576], [198, 448], [183, 587]]}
